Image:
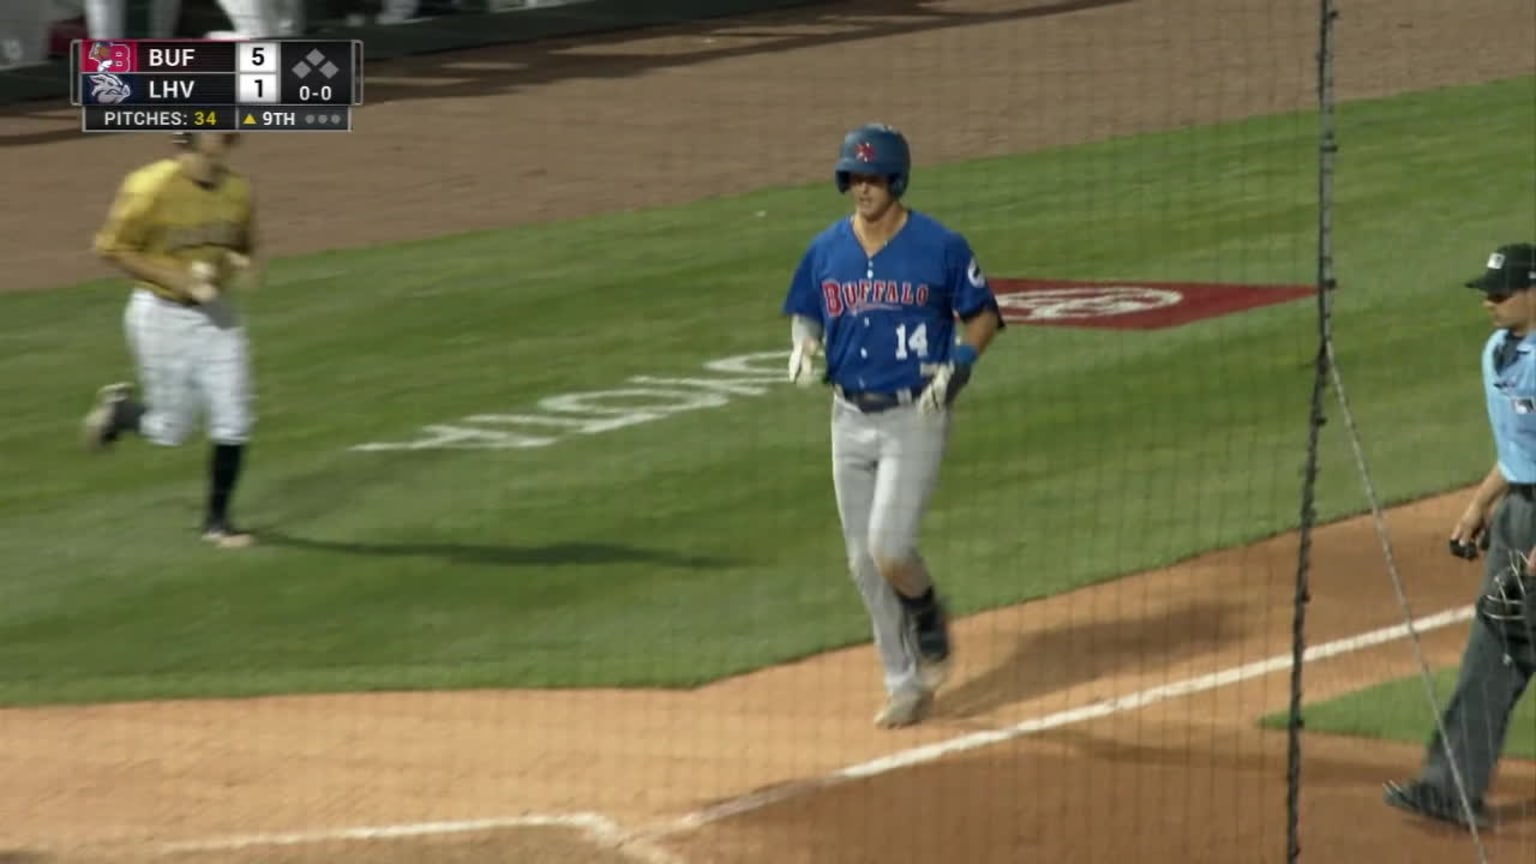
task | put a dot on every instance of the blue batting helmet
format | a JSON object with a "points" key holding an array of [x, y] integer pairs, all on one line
{"points": [[875, 148]]}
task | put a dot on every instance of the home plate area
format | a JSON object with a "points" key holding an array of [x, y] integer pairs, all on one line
{"points": [[1122, 305]]}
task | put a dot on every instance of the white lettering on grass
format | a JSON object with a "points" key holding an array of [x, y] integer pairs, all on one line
{"points": [[649, 403], [555, 418], [752, 365], [443, 437], [723, 386]]}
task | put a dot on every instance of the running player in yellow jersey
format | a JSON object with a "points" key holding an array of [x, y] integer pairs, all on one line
{"points": [[184, 229]]}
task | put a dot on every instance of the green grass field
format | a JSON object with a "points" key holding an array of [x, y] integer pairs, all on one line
{"points": [[1400, 711], [705, 544]]}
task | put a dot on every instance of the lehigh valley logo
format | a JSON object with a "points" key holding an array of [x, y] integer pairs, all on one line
{"points": [[108, 89]]}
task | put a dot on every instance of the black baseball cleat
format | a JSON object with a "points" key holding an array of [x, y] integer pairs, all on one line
{"points": [[113, 413], [930, 630], [1430, 802]]}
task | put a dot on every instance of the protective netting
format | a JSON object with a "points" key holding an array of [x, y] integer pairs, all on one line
{"points": [[553, 563]]}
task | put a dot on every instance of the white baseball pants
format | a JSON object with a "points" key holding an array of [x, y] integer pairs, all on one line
{"points": [[191, 360]]}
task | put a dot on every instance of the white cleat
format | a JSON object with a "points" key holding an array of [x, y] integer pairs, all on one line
{"points": [[904, 709], [226, 537]]}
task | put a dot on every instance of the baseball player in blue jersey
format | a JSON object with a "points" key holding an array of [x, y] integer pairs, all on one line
{"points": [[878, 296]]}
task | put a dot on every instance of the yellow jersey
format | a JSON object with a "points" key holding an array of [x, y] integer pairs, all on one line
{"points": [[162, 213]]}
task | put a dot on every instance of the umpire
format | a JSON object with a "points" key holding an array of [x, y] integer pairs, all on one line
{"points": [[1500, 654]]}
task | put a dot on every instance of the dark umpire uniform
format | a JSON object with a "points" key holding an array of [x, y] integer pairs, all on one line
{"points": [[1500, 654]]}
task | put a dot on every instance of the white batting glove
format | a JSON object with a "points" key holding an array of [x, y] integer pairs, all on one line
{"points": [[802, 362], [935, 397], [948, 380]]}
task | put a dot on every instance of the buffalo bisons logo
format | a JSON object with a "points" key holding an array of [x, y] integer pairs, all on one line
{"points": [[108, 57], [864, 152]]}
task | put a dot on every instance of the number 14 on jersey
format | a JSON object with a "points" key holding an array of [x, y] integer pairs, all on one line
{"points": [[917, 342]]}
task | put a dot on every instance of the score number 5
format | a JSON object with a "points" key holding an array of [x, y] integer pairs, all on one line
{"points": [[257, 57]]}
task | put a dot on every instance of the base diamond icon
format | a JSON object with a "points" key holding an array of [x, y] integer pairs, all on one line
{"points": [[301, 69], [314, 57]]}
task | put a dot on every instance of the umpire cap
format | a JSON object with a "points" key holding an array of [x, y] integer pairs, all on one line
{"points": [[1510, 268]]}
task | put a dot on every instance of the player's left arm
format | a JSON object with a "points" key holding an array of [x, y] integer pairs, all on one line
{"points": [[972, 301], [979, 329], [246, 263], [974, 304]]}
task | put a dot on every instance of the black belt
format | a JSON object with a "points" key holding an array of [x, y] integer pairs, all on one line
{"points": [[873, 402], [1524, 490]]}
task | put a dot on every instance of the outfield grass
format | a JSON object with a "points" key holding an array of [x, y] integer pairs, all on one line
{"points": [[1078, 455], [1400, 711]]}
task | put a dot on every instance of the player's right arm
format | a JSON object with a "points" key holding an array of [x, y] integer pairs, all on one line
{"points": [[122, 239], [804, 298], [1475, 520], [806, 323]]}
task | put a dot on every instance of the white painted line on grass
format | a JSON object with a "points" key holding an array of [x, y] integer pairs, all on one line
{"points": [[596, 827], [1034, 725]]}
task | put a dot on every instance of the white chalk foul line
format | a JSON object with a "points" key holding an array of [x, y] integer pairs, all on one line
{"points": [[1034, 725], [641, 845], [597, 828]]}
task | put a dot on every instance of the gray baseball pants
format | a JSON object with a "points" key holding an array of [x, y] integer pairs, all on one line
{"points": [[1496, 666], [885, 467]]}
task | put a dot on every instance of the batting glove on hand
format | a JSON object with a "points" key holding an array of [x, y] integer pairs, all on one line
{"points": [[948, 380], [802, 365]]}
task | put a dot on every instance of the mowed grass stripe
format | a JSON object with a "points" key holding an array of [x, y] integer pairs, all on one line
{"points": [[674, 552], [1400, 710]]}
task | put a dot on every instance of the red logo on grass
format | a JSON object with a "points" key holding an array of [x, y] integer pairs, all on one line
{"points": [[1130, 305]]}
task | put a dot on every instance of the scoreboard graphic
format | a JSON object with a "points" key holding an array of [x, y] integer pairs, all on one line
{"points": [[194, 85]]}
